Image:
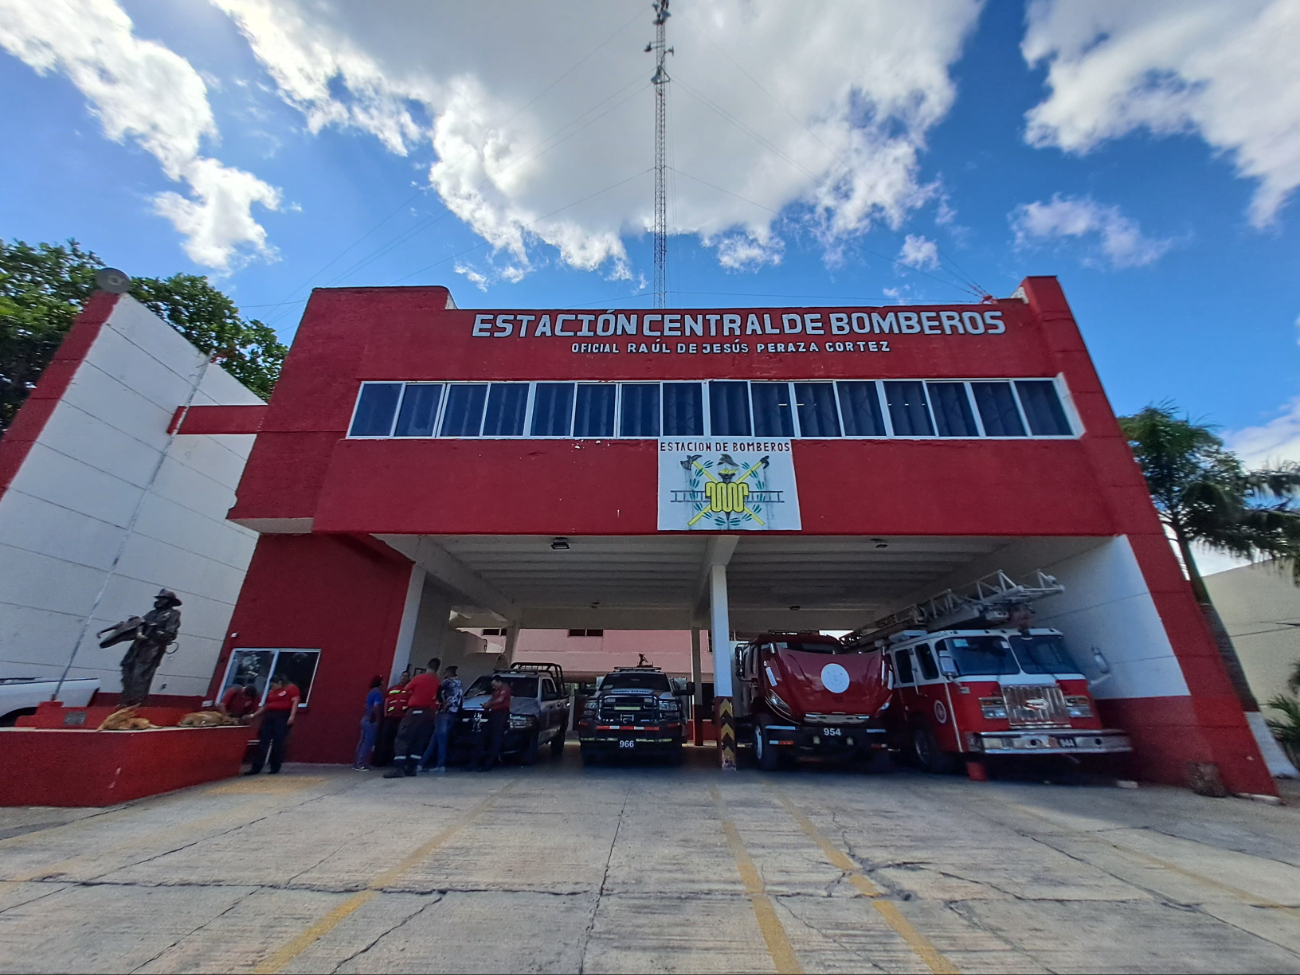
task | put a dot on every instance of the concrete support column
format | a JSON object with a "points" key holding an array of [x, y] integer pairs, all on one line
{"points": [[697, 698], [724, 721], [512, 640], [406, 630]]}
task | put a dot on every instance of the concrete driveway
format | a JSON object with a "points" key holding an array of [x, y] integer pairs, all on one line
{"points": [[558, 868]]}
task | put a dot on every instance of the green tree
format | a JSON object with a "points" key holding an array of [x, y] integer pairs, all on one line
{"points": [[43, 288], [1204, 494]]}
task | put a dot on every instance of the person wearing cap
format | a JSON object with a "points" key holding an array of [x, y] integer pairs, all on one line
{"points": [[417, 726], [450, 697], [151, 637], [277, 714]]}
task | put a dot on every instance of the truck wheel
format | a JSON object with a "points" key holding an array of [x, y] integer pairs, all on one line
{"points": [[928, 754], [589, 756], [529, 755], [768, 756], [557, 744]]}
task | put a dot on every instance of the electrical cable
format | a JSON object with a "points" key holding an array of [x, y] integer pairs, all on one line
{"points": [[776, 101], [762, 141], [573, 67], [529, 226], [883, 257]]}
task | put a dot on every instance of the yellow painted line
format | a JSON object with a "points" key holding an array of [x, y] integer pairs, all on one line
{"points": [[161, 837], [919, 943], [778, 944], [315, 932], [265, 785]]}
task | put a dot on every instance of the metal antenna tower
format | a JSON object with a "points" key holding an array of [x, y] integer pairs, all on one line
{"points": [[660, 81]]}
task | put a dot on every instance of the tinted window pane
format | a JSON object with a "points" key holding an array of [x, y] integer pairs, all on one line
{"points": [[553, 410], [816, 405], [463, 416], [375, 408], [250, 667], [594, 416], [952, 414], [860, 408], [907, 409], [419, 410], [1042, 408], [300, 667], [506, 405], [903, 666], [683, 410], [729, 409], [772, 417], [640, 410], [997, 408], [929, 669]]}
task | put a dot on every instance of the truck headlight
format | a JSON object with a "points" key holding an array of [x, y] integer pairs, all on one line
{"points": [[1078, 706], [669, 704], [775, 698], [520, 720], [590, 705], [993, 707]]}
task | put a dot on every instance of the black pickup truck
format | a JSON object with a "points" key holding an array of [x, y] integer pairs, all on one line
{"points": [[633, 711], [539, 712]]}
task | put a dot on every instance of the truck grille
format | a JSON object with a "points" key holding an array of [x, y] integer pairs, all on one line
{"points": [[1035, 707], [626, 709]]}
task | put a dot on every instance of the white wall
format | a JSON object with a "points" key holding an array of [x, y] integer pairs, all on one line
{"points": [[1106, 604], [1260, 606], [65, 515]]}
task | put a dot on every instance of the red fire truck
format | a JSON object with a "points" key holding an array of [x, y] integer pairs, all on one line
{"points": [[974, 679], [805, 692]]}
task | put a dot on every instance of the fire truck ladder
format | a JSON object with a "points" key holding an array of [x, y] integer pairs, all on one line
{"points": [[993, 600]]}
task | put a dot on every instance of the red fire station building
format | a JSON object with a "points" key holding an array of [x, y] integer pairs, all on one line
{"points": [[422, 469]]}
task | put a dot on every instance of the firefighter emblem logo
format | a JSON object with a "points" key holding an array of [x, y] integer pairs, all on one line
{"points": [[727, 485]]}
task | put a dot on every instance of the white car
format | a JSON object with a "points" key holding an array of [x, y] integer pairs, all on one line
{"points": [[19, 696]]}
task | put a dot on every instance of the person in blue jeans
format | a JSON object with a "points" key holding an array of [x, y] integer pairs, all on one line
{"points": [[374, 713], [450, 695]]}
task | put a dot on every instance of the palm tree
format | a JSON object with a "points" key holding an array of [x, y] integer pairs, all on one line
{"points": [[1204, 494]]}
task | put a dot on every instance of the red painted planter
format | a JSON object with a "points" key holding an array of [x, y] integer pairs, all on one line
{"points": [[47, 767]]}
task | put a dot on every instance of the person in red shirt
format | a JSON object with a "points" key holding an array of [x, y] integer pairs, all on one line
{"points": [[416, 729], [277, 714], [492, 736], [239, 702], [394, 709]]}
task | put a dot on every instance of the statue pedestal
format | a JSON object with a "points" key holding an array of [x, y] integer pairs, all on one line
{"points": [[70, 764]]}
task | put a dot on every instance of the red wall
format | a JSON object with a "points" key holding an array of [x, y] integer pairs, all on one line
{"points": [[323, 591], [302, 467], [331, 593]]}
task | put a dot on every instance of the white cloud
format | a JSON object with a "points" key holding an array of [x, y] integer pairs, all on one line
{"points": [[141, 90], [859, 87], [1278, 439], [476, 278], [1120, 240], [1223, 70], [919, 252], [748, 251]]}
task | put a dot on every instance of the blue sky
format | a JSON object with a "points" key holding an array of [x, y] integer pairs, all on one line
{"points": [[1146, 154]]}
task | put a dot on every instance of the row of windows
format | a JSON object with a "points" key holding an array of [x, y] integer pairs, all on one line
{"points": [[716, 408]]}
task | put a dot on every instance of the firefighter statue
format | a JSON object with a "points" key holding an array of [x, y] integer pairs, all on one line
{"points": [[150, 637]]}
